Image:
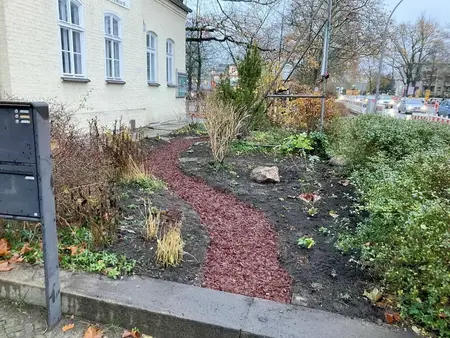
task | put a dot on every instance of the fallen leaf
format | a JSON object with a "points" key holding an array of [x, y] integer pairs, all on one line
{"points": [[131, 334], [15, 259], [308, 197], [416, 329], [93, 332], [396, 316], [374, 295], [4, 247], [68, 327], [391, 317], [442, 315], [388, 317], [5, 266], [26, 249], [344, 182], [333, 214], [75, 250]]}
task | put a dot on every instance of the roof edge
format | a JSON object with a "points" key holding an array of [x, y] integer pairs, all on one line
{"points": [[181, 6]]}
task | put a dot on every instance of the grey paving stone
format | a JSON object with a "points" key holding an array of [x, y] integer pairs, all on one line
{"points": [[29, 322]]}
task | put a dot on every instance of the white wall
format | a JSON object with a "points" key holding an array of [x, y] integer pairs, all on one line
{"points": [[4, 69], [34, 59]]}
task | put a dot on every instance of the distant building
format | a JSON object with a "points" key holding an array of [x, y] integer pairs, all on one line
{"points": [[120, 58], [440, 86]]}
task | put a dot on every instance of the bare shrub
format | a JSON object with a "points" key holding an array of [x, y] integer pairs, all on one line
{"points": [[119, 145], [303, 113], [82, 175], [222, 121]]}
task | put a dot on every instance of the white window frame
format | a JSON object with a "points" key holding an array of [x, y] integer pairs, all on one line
{"points": [[72, 28], [152, 78], [110, 37], [170, 62]]}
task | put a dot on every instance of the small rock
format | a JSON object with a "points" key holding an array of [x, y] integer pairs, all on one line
{"points": [[338, 161], [265, 175], [299, 300], [317, 286]]}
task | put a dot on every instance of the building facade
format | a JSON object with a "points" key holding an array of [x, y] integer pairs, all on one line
{"points": [[110, 59]]}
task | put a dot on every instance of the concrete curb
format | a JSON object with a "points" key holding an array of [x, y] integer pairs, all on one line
{"points": [[171, 310]]}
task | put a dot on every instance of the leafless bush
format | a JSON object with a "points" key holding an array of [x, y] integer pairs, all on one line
{"points": [[82, 174], [120, 146], [222, 122]]}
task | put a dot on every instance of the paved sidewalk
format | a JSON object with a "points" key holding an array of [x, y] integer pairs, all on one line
{"points": [[24, 321]]}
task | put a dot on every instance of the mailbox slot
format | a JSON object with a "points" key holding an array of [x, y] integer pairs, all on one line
{"points": [[19, 191]]}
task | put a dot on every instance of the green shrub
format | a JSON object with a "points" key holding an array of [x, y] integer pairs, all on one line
{"points": [[367, 137], [246, 97], [319, 142], [401, 169], [295, 144], [406, 237]]}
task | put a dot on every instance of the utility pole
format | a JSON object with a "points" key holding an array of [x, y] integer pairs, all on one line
{"points": [[380, 65], [326, 47]]}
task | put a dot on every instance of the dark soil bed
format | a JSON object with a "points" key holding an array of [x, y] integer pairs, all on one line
{"points": [[132, 243], [322, 277], [242, 256]]}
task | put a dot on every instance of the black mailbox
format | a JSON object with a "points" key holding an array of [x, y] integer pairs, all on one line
{"points": [[26, 191], [19, 158]]}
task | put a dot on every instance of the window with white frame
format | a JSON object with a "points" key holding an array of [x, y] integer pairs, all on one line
{"points": [[72, 37], [113, 47], [151, 58], [170, 62]]}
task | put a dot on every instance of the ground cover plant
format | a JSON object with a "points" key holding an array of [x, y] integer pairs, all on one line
{"points": [[402, 172]]}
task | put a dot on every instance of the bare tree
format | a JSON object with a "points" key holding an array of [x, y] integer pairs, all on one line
{"points": [[356, 30], [414, 45]]}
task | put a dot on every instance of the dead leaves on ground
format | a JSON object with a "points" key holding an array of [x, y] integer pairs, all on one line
{"points": [[391, 317], [93, 332], [8, 264], [374, 295], [68, 327], [309, 197], [4, 247], [26, 249], [134, 333], [5, 266]]}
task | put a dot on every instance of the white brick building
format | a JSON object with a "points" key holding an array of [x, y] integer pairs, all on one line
{"points": [[115, 58]]}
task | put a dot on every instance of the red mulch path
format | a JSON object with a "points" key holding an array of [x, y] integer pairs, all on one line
{"points": [[242, 256]]}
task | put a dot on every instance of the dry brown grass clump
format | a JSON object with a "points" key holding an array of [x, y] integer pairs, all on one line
{"points": [[222, 122], [169, 250], [152, 222]]}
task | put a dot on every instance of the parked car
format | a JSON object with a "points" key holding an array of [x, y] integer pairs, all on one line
{"points": [[409, 106], [433, 100], [444, 109], [387, 101]]}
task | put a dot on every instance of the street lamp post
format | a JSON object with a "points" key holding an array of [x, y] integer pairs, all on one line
{"points": [[380, 65], [326, 49]]}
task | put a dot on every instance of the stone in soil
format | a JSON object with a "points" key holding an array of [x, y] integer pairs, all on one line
{"points": [[265, 175]]}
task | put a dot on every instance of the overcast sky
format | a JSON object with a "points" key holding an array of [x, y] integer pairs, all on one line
{"points": [[409, 10]]}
